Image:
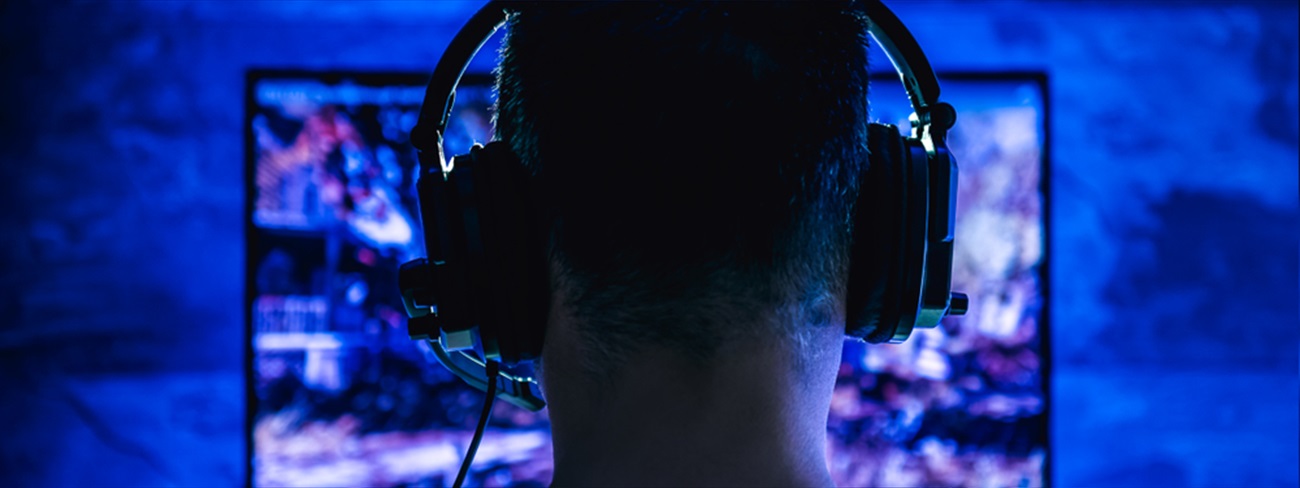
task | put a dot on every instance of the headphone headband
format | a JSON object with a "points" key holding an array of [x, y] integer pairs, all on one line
{"points": [[889, 32], [427, 133]]}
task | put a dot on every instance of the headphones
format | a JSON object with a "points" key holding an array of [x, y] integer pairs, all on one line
{"points": [[482, 295]]}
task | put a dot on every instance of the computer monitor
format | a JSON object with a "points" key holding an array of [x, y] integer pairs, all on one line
{"points": [[338, 395]]}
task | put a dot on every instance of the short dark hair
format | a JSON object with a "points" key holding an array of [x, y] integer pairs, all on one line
{"points": [[700, 160]]}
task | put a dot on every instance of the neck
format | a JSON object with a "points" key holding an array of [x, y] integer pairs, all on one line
{"points": [[750, 418]]}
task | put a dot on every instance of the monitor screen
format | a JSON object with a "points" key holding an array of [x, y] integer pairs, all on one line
{"points": [[340, 396], [964, 404]]}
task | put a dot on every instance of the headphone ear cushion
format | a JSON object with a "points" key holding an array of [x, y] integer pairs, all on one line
{"points": [[515, 255], [875, 270]]}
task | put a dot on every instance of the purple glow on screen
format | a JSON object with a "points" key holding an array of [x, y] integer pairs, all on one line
{"points": [[343, 397], [963, 404]]}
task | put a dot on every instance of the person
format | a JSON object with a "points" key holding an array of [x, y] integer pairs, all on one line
{"points": [[701, 165]]}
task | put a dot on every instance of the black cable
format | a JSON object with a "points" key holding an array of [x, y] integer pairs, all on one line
{"points": [[492, 368]]}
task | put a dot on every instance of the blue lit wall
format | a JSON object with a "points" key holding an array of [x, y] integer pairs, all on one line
{"points": [[1176, 232]]}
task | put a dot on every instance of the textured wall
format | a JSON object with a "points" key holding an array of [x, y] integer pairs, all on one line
{"points": [[1175, 225]]}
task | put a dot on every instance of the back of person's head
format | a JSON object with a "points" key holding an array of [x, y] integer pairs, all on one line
{"points": [[700, 163]]}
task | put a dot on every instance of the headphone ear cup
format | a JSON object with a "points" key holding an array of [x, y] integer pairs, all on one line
{"points": [[875, 272], [515, 312]]}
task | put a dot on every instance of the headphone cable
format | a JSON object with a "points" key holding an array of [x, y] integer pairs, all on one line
{"points": [[492, 369]]}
